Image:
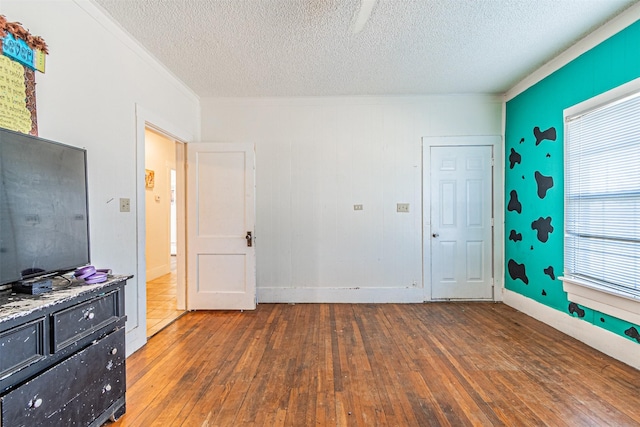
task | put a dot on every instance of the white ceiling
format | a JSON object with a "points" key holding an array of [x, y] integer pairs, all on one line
{"points": [[306, 47]]}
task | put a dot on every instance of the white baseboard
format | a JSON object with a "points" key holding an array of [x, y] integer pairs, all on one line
{"points": [[156, 272], [607, 342], [340, 295]]}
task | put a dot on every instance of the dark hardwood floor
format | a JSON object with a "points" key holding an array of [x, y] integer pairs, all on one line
{"points": [[441, 364]]}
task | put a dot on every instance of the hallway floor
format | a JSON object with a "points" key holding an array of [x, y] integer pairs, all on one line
{"points": [[161, 301]]}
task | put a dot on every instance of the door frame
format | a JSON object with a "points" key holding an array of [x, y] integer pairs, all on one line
{"points": [[497, 205], [136, 330]]}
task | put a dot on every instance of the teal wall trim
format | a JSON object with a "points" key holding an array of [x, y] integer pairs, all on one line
{"points": [[534, 172]]}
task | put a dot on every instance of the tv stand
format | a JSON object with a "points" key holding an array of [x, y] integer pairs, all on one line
{"points": [[62, 355]]}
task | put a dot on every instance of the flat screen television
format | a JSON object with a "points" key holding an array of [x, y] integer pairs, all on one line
{"points": [[44, 224]]}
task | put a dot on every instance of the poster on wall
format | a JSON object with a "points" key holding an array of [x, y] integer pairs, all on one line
{"points": [[22, 55]]}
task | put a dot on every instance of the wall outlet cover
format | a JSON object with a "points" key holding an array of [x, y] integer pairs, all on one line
{"points": [[402, 207]]}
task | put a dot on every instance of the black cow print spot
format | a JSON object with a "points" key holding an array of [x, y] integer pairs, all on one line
{"points": [[514, 158], [514, 203], [575, 309], [549, 272], [549, 134], [633, 333], [543, 227], [548, 156], [516, 237], [531, 248], [602, 319], [517, 271], [521, 140], [544, 184], [544, 293]]}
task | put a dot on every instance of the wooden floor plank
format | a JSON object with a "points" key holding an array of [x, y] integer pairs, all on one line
{"points": [[439, 364]]}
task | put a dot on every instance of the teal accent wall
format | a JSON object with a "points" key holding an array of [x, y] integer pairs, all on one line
{"points": [[534, 259]]}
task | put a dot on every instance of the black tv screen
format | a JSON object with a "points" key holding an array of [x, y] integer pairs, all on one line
{"points": [[44, 227]]}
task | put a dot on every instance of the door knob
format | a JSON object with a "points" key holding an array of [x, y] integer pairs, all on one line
{"points": [[249, 238], [435, 235]]}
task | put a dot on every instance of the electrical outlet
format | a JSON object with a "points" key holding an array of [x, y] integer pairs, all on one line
{"points": [[357, 207], [402, 207], [125, 205]]}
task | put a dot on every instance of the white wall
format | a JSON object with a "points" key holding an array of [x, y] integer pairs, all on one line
{"points": [[315, 159], [160, 157], [96, 79]]}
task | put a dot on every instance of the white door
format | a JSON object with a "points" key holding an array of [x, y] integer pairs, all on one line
{"points": [[221, 272], [461, 229]]}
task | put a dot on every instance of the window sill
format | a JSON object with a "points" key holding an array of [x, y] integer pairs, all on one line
{"points": [[588, 295]]}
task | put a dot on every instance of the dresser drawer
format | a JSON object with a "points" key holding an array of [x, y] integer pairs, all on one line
{"points": [[92, 402], [81, 320], [35, 402], [22, 346]]}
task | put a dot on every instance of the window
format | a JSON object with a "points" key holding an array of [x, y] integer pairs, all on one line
{"points": [[602, 194]]}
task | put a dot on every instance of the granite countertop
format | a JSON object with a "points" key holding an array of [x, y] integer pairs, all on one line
{"points": [[14, 305]]}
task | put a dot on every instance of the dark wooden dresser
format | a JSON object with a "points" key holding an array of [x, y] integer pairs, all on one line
{"points": [[62, 355]]}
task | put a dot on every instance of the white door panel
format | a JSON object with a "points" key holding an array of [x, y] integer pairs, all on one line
{"points": [[221, 211], [461, 232]]}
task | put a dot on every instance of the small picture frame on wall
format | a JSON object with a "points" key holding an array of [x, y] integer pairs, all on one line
{"points": [[149, 178]]}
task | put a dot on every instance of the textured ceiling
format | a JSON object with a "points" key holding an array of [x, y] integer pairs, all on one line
{"points": [[306, 47]]}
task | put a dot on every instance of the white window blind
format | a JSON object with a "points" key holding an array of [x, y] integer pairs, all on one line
{"points": [[602, 197]]}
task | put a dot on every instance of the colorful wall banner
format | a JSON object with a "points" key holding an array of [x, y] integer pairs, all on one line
{"points": [[22, 55], [18, 50], [14, 113]]}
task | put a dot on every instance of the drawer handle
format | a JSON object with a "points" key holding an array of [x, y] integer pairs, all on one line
{"points": [[114, 350], [89, 315], [35, 403], [106, 388]]}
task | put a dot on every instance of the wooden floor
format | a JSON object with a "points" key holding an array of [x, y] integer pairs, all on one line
{"points": [[162, 301], [443, 364]]}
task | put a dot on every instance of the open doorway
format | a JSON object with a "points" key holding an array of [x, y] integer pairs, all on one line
{"points": [[162, 186]]}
